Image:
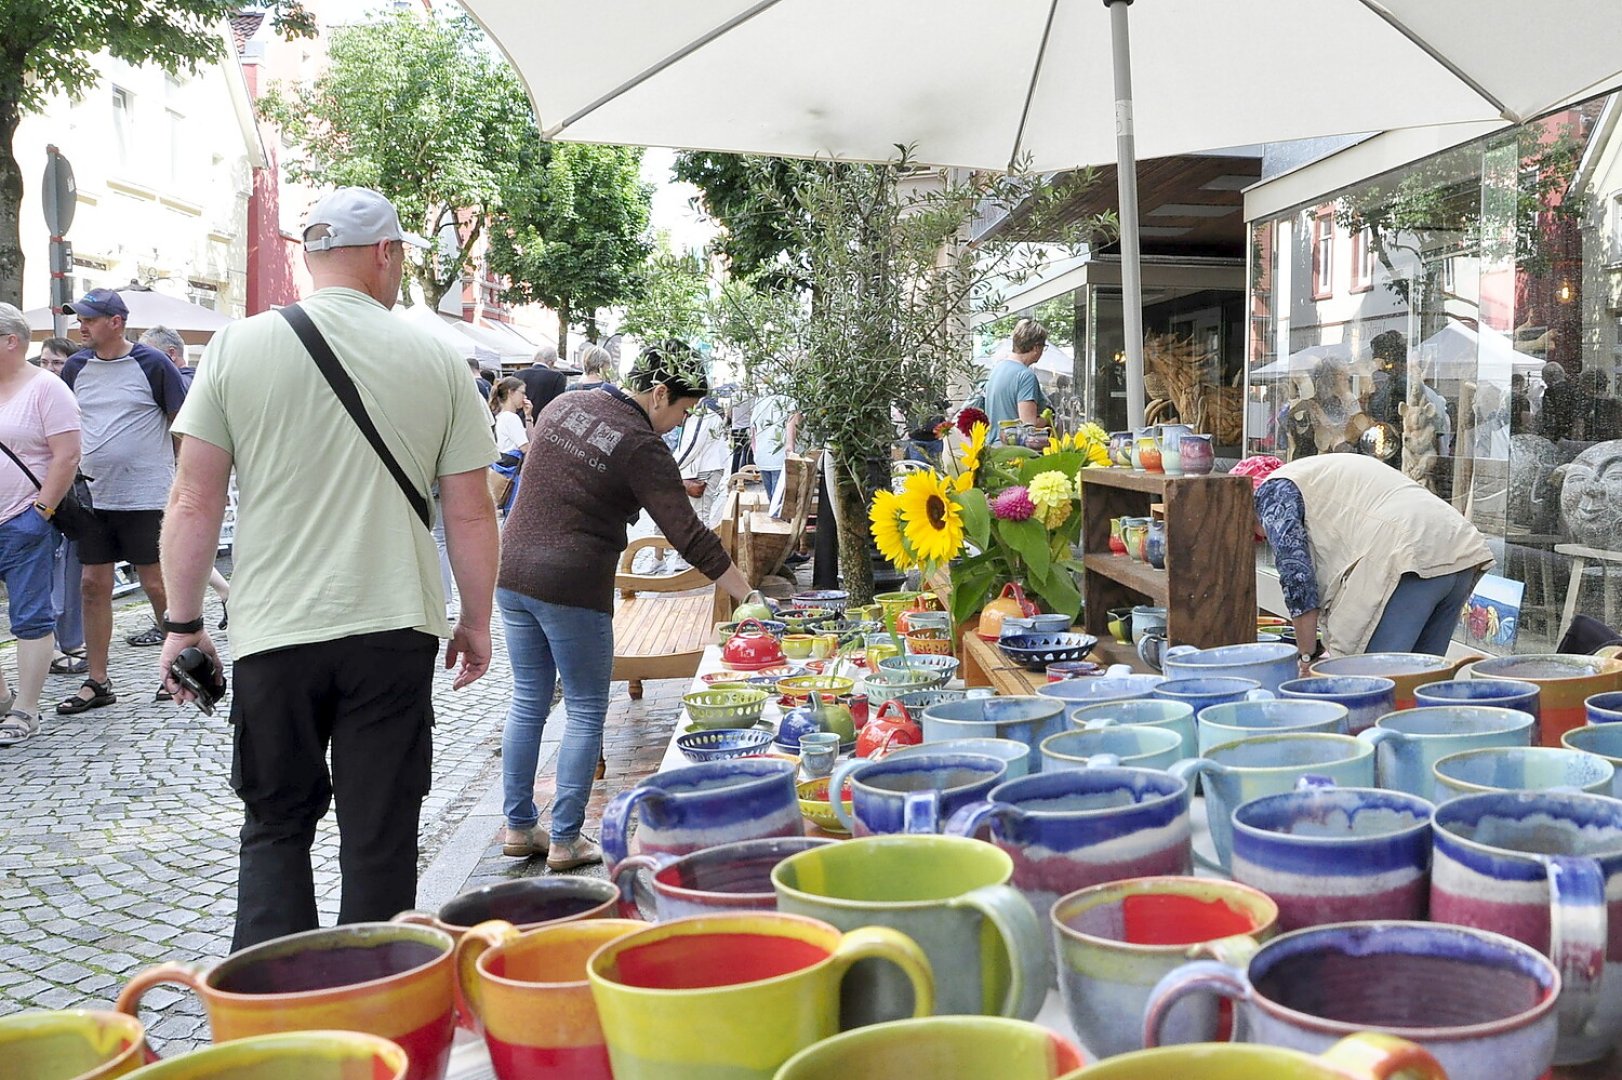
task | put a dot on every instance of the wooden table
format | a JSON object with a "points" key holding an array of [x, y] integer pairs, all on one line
{"points": [[983, 664]]}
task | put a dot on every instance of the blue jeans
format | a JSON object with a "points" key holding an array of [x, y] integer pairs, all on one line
{"points": [[1422, 614], [545, 641], [66, 576], [27, 549], [770, 477]]}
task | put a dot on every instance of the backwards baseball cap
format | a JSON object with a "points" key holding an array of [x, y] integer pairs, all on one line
{"points": [[97, 302], [356, 217]]}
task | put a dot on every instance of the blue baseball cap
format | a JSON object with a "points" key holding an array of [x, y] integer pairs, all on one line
{"points": [[98, 302]]}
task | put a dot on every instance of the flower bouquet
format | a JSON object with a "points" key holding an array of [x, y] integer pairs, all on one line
{"points": [[1004, 513]]}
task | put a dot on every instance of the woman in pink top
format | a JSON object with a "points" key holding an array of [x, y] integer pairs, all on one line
{"points": [[39, 423]]}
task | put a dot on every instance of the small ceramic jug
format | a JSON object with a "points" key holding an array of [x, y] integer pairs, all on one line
{"points": [[1199, 457], [1171, 455]]}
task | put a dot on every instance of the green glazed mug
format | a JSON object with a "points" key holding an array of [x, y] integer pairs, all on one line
{"points": [[736, 996], [71, 1044], [950, 894], [291, 1055], [1365, 1056], [939, 1048]]}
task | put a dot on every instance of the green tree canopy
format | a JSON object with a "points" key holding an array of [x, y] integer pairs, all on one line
{"points": [[753, 200], [49, 47], [422, 110], [572, 230], [674, 298]]}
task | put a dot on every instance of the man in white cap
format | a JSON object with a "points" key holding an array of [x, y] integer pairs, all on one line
{"points": [[337, 601]]}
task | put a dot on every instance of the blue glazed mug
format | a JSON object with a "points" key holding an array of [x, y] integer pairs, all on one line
{"points": [[1329, 854], [1492, 693], [1237, 772], [1010, 753], [1175, 716], [1025, 719], [1601, 740], [1604, 708], [1521, 768], [1308, 989], [1544, 868], [1366, 697], [911, 794], [1133, 746], [704, 805], [1269, 663], [1246, 719], [1202, 693], [1408, 743]]}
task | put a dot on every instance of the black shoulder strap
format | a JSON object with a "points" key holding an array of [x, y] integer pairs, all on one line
{"points": [[343, 386], [32, 479]]}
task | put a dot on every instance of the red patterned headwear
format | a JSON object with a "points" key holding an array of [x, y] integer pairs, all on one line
{"points": [[1258, 468]]}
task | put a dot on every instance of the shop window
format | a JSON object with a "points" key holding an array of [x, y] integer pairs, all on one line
{"points": [[123, 123], [1615, 258], [1362, 262], [1323, 256]]}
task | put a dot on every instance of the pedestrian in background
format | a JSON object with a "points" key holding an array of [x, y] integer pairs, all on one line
{"points": [[776, 424], [596, 367], [65, 569], [128, 395], [542, 380], [1013, 393], [338, 602], [703, 455], [39, 429]]}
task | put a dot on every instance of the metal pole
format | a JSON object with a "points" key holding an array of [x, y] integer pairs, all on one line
{"points": [[1126, 168]]}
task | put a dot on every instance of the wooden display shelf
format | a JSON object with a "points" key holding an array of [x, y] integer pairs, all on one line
{"points": [[1209, 584], [983, 664]]}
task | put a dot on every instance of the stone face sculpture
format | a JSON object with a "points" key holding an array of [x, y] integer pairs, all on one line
{"points": [[1591, 496], [1533, 503]]}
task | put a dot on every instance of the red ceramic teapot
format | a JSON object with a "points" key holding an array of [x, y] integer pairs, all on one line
{"points": [[1010, 602], [892, 727], [751, 647]]}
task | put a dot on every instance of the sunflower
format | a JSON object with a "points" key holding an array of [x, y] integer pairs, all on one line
{"points": [[885, 518], [970, 460], [934, 522]]}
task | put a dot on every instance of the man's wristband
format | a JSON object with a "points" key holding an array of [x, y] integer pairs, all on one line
{"points": [[191, 626], [46, 512]]}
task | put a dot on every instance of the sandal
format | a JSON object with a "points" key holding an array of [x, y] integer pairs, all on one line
{"points": [[70, 665], [17, 726], [101, 694]]}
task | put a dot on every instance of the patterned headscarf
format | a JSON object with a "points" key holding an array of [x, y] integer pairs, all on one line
{"points": [[1258, 468]]}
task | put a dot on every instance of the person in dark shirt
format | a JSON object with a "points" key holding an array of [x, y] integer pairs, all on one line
{"points": [[1604, 419], [1520, 405], [1564, 405], [478, 378], [597, 460], [541, 381]]}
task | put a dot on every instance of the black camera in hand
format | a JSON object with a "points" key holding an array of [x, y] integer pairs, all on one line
{"points": [[195, 670]]}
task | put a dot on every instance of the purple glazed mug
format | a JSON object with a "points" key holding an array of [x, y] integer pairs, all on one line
{"points": [[729, 878], [915, 793], [1482, 1004], [704, 805], [1328, 855], [1544, 868]]}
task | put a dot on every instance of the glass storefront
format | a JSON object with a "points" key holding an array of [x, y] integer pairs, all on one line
{"points": [[1459, 318]]}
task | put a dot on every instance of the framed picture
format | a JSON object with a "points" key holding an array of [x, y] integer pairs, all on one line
{"points": [[1492, 617]]}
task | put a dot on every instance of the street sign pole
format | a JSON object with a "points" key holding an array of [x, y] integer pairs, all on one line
{"points": [[61, 197]]}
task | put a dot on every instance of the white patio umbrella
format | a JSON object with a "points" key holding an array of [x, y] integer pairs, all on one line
{"points": [[854, 78], [195, 323], [1308, 360]]}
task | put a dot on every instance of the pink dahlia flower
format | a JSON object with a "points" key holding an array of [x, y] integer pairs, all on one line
{"points": [[1014, 504]]}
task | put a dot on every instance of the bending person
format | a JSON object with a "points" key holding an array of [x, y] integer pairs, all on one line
{"points": [[604, 463], [1377, 560]]}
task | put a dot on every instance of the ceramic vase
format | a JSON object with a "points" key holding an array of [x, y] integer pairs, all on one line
{"points": [[1148, 454], [1171, 438], [1133, 531], [1198, 457], [1117, 544], [1154, 545]]}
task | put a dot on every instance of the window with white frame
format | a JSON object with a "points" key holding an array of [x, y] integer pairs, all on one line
{"points": [[1362, 261], [1616, 229], [1323, 255], [123, 123]]}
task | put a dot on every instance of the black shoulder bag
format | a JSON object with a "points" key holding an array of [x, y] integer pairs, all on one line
{"points": [[73, 515], [343, 386]]}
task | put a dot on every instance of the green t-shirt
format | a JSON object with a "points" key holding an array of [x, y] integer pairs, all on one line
{"points": [[326, 544], [1010, 383]]}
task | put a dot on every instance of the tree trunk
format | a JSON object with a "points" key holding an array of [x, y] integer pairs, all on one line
{"points": [[565, 313], [11, 207], [855, 558]]}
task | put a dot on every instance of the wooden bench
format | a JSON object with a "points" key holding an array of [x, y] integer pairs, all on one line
{"points": [[765, 541], [663, 622]]}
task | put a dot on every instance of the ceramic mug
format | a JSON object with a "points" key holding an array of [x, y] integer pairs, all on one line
{"points": [[1327, 854], [1073, 829], [1603, 708], [1237, 720], [1025, 719], [1139, 747], [726, 879], [529, 995], [704, 805], [949, 894], [1237, 772], [1564, 682], [797, 646], [1521, 768], [1600, 740], [1481, 1004], [71, 1044], [1407, 670], [1269, 663], [1544, 868], [1116, 941], [387, 979], [1366, 697], [1014, 755], [1364, 1056], [1406, 744], [1491, 693], [940, 1048], [914, 793], [294, 1055], [738, 995], [526, 903], [1202, 692], [1116, 684], [1175, 716]]}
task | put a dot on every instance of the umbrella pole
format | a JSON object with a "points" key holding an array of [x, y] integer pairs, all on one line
{"points": [[1126, 171]]}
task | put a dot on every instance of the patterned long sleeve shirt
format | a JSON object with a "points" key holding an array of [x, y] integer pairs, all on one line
{"points": [[1283, 515]]}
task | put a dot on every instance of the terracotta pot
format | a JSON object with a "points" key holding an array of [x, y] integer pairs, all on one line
{"points": [[1011, 601]]}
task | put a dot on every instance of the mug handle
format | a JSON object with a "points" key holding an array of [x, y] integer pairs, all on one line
{"points": [[1369, 1055], [921, 812], [972, 818], [1175, 651], [1118, 669], [1198, 976], [474, 943], [187, 975], [836, 785], [415, 917], [882, 943], [1015, 921], [625, 878], [617, 823], [1190, 770], [1577, 934], [1259, 694]]}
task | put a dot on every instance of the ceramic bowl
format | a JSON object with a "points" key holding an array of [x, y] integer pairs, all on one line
{"points": [[727, 629], [943, 667], [919, 700], [1037, 651], [720, 744], [836, 599], [818, 808], [799, 688], [724, 708]]}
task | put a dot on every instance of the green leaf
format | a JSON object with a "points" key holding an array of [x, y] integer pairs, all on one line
{"points": [[1058, 590], [1069, 463], [970, 587], [976, 516], [1030, 539]]}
